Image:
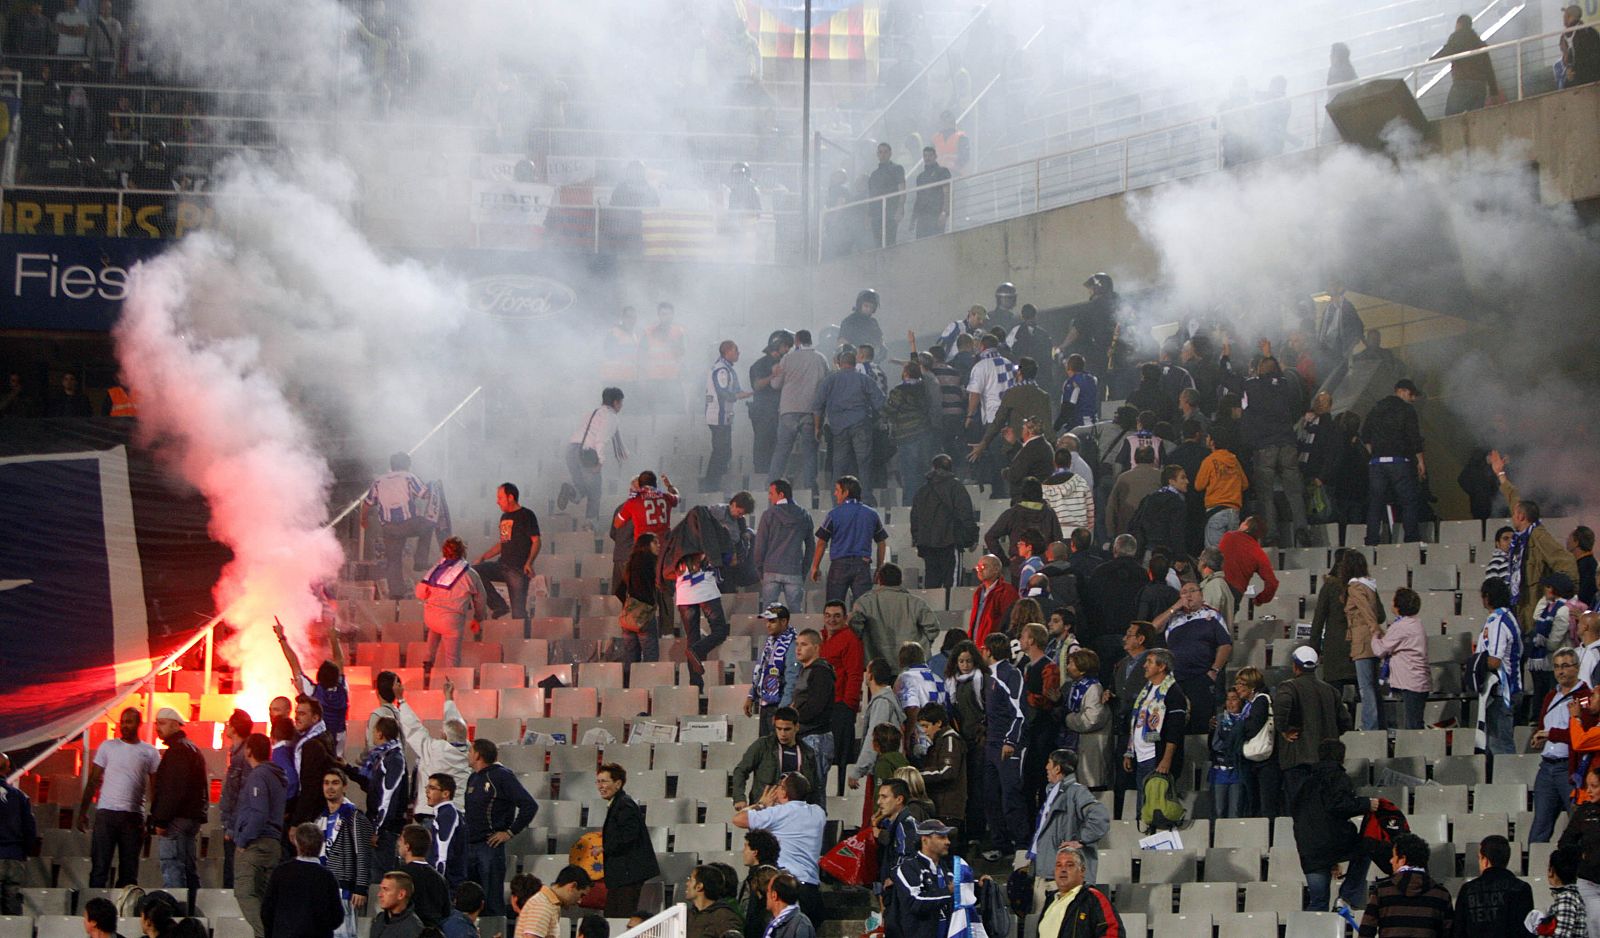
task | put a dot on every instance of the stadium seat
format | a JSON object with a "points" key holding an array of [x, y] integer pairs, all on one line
{"points": [[232, 928], [671, 811], [1134, 923], [1515, 769], [559, 727], [1434, 828], [1233, 864], [406, 631], [561, 672], [1210, 898], [1429, 744], [613, 726], [56, 926], [600, 674], [1277, 897], [1122, 835], [1460, 770], [507, 632], [1240, 832], [478, 654], [502, 676], [582, 759], [1439, 799], [506, 731], [1283, 865], [1314, 925], [1168, 866], [651, 674], [1508, 797], [217, 903], [1366, 745], [575, 702], [706, 784], [522, 702], [1474, 827], [1247, 925], [711, 836], [668, 701], [73, 873], [1114, 866], [628, 702], [1144, 898], [37, 901]]}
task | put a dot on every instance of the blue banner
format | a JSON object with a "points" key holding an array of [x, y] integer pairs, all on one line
{"points": [[66, 283]]}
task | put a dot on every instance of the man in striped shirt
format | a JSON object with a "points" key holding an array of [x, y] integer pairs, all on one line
{"points": [[992, 375], [1408, 904]]}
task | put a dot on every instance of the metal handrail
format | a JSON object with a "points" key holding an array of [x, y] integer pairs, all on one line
{"points": [[1444, 64], [941, 56]]}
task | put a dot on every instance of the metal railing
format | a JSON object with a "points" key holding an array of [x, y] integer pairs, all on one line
{"points": [[1106, 109], [1181, 150], [909, 99]]}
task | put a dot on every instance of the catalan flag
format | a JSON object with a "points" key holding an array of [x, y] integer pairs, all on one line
{"points": [[841, 30]]}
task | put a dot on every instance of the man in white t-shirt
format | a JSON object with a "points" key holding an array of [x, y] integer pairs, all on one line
{"points": [[784, 812], [121, 774], [598, 432], [72, 32], [392, 496]]}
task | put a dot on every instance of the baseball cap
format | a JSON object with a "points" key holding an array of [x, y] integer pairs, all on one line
{"points": [[1305, 656], [774, 611], [778, 338], [167, 713], [932, 828], [1406, 384]]}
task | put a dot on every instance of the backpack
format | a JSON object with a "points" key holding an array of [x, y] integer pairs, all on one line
{"points": [[1378, 831], [999, 911], [127, 900], [1475, 674], [1161, 811]]}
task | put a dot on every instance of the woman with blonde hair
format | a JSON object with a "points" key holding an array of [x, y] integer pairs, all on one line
{"points": [[919, 804], [1263, 784]]}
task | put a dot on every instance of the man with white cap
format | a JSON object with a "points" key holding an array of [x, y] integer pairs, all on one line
{"points": [[179, 804], [1307, 711], [922, 906]]}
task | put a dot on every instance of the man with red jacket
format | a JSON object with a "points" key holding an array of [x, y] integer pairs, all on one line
{"points": [[841, 648], [992, 600], [1242, 558]]}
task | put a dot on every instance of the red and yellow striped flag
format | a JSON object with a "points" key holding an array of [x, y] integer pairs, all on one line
{"points": [[841, 30]]}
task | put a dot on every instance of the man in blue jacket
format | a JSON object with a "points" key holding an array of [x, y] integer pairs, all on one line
{"points": [[498, 808], [17, 833], [257, 829], [1002, 750], [382, 775]]}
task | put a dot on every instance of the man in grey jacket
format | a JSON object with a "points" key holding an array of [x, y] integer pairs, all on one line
{"points": [[783, 546], [890, 615], [882, 707], [1071, 816], [797, 377]]}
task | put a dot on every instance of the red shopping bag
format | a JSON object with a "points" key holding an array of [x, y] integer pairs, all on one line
{"points": [[854, 860]]}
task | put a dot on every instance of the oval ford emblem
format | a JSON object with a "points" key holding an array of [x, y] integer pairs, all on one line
{"points": [[518, 296]]}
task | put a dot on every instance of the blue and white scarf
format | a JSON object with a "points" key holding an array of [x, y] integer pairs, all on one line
{"points": [[445, 574], [317, 729], [964, 918], [1519, 554], [1080, 689]]}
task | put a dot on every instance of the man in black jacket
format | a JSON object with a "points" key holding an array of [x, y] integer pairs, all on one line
{"points": [[1079, 910], [313, 757], [302, 898], [178, 806], [625, 841], [498, 808], [1273, 402], [1322, 808], [1497, 901], [813, 704], [1035, 458], [1472, 79], [1158, 522], [942, 520], [431, 900], [1113, 593], [922, 889]]}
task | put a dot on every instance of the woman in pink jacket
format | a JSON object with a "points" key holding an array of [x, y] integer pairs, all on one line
{"points": [[1405, 644]]}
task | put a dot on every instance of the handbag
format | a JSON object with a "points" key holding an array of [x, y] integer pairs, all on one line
{"points": [[588, 456], [854, 860], [1258, 748], [637, 615]]}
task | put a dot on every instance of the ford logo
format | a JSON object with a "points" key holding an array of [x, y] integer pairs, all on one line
{"points": [[516, 296]]}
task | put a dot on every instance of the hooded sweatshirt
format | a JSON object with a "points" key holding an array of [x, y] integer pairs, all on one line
{"points": [[784, 540]]}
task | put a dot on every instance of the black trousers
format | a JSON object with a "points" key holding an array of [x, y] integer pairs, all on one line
{"points": [[938, 567], [120, 833]]}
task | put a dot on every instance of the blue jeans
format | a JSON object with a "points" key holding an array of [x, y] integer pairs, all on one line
{"points": [[786, 588], [179, 860], [486, 866], [120, 833], [1371, 699], [1228, 798], [793, 429], [822, 745], [1497, 724], [586, 480], [911, 459], [852, 452], [849, 576], [716, 629], [516, 584], [1399, 480], [1003, 807], [1220, 522], [1412, 703], [1353, 890], [1552, 788], [395, 535]]}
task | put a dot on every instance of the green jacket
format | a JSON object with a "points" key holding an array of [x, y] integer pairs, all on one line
{"points": [[760, 768], [907, 412]]}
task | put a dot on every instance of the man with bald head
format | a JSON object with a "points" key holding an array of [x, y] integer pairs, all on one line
{"points": [[992, 599]]}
